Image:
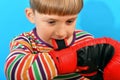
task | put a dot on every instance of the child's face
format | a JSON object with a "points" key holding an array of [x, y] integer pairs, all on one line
{"points": [[54, 27]]}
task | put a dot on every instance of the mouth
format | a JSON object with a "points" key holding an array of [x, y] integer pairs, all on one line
{"points": [[59, 44]]}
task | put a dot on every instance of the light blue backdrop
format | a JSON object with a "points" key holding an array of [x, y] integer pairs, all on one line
{"points": [[99, 17]]}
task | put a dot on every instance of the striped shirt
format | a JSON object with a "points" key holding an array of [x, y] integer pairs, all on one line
{"points": [[29, 58]]}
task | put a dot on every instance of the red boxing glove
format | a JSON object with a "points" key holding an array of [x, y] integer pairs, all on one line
{"points": [[112, 70], [96, 59], [101, 56], [64, 58]]}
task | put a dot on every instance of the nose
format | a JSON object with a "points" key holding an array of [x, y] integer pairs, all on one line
{"points": [[61, 33]]}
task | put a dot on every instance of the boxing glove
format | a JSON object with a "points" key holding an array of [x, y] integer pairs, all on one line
{"points": [[89, 58], [64, 57], [100, 56]]}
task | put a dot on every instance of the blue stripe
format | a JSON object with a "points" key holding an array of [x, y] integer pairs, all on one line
{"points": [[41, 69], [14, 69]]}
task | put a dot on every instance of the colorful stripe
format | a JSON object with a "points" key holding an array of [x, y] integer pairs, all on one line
{"points": [[26, 67], [27, 61], [31, 74], [36, 72], [10, 68], [21, 67], [51, 64]]}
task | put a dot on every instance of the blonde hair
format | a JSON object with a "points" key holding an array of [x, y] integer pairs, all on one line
{"points": [[58, 7]]}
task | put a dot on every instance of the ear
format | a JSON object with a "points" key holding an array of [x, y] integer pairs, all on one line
{"points": [[30, 14]]}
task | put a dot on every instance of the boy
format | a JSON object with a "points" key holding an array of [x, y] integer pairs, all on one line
{"points": [[54, 20]]}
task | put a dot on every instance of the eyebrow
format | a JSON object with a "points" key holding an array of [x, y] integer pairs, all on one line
{"points": [[52, 19], [73, 18], [49, 19]]}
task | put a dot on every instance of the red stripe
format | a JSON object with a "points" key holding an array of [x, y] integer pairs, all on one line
{"points": [[46, 67], [9, 61], [20, 67], [31, 76], [35, 57]]}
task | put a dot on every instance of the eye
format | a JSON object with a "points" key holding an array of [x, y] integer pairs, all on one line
{"points": [[69, 21], [51, 22]]}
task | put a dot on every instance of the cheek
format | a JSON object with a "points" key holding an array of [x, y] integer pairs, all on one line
{"points": [[71, 29], [47, 33], [42, 28]]}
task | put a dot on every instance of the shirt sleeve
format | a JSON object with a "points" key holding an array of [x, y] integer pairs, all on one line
{"points": [[23, 64]]}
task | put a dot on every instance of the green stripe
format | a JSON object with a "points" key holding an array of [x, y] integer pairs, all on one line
{"points": [[13, 63], [81, 33], [17, 46], [37, 75], [67, 76]]}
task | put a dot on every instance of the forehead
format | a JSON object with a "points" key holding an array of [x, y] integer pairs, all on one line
{"points": [[52, 16]]}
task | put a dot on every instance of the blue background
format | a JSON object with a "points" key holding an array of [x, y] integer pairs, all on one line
{"points": [[99, 17]]}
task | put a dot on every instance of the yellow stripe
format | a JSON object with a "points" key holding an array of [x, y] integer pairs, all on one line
{"points": [[24, 43], [51, 65], [26, 67]]}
